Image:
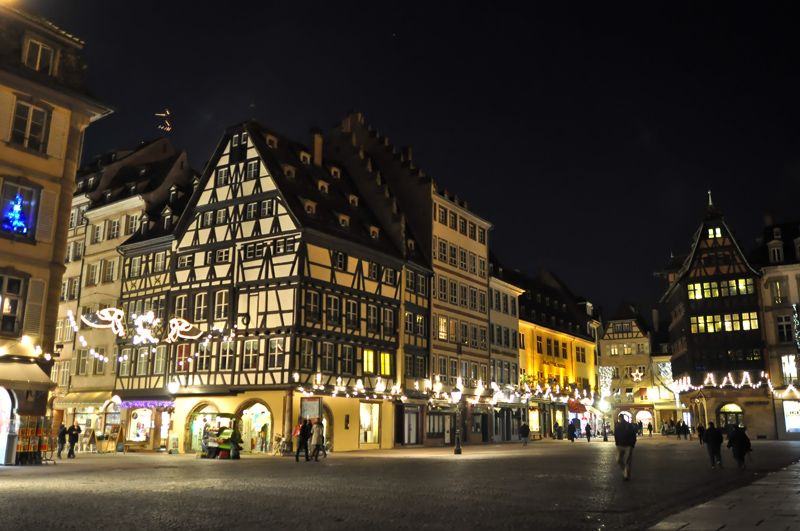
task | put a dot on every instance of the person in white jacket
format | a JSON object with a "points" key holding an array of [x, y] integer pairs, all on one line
{"points": [[317, 438]]}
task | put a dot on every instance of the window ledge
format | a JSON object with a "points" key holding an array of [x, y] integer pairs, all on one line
{"points": [[30, 151]]}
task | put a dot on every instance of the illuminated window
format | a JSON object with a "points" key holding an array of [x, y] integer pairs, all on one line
{"points": [[789, 367], [369, 424], [386, 364], [715, 233], [369, 361], [182, 357], [710, 289], [698, 324], [442, 328], [750, 321], [614, 350]]}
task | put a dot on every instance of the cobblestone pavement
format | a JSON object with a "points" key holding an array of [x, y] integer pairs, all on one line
{"points": [[546, 485]]}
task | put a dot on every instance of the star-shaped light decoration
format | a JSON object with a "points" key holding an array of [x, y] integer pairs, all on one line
{"points": [[637, 375]]}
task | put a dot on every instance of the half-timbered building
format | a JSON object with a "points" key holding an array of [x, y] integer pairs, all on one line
{"points": [[454, 241], [716, 337], [295, 287]]}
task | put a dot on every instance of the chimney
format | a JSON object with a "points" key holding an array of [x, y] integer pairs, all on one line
{"points": [[767, 220], [316, 146]]}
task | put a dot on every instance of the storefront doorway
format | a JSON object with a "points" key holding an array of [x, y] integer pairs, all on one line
{"points": [[141, 424], [256, 428], [730, 415], [645, 417]]}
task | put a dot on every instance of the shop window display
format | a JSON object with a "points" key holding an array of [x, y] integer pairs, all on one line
{"points": [[141, 423], [370, 423], [197, 420], [256, 429]]}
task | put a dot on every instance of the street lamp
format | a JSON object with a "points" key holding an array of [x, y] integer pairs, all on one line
{"points": [[456, 394], [604, 407]]}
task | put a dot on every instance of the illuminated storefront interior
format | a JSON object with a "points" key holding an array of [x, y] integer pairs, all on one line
{"points": [[256, 429], [369, 427]]}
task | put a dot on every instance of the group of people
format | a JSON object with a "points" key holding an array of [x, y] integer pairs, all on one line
{"points": [[70, 434], [680, 428], [315, 432]]}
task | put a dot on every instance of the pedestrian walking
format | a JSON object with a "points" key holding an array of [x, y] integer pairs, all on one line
{"points": [[302, 440], [524, 432], [588, 433], [650, 429], [317, 438], [713, 440], [740, 444], [701, 431], [62, 438], [235, 442], [571, 432], [640, 427], [72, 433], [664, 428], [686, 431], [625, 440]]}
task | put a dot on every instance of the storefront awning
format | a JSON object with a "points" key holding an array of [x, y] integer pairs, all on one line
{"points": [[96, 399], [24, 376]]}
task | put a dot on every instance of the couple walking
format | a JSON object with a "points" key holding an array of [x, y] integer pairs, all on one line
{"points": [[314, 431]]}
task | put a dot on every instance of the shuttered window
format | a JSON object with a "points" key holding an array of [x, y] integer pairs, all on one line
{"points": [[37, 289]]}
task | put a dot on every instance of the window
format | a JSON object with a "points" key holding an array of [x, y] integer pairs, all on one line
{"points": [[222, 176], [410, 280], [453, 255], [29, 126], [226, 351], [482, 267], [776, 254], [464, 333], [180, 306], [386, 364], [482, 302], [715, 233], [312, 305], [442, 215], [473, 263], [339, 261], [97, 233], [136, 266], [453, 292], [372, 270], [17, 209], [483, 338], [409, 320], [252, 169], [63, 377], [160, 261], [208, 219], [443, 288], [564, 349], [421, 328], [462, 290], [276, 353], [549, 347], [471, 230], [221, 304], [307, 355], [133, 223], [442, 333], [442, 250], [481, 235], [462, 226], [11, 293], [250, 211], [422, 286], [222, 216], [333, 309], [200, 306], [779, 292], [113, 229], [352, 314], [125, 361], [267, 208], [369, 361], [453, 220], [789, 367], [732, 323], [40, 57], [390, 276], [462, 259], [369, 423], [327, 355], [203, 357], [473, 336], [372, 318], [473, 298], [750, 321], [250, 357], [91, 275], [347, 359], [223, 255], [785, 334], [388, 321], [110, 267]]}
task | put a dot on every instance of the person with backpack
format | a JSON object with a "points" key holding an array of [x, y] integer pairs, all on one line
{"points": [[740, 444]]}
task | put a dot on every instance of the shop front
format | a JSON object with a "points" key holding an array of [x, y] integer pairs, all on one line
{"points": [[255, 426], [145, 424], [409, 419], [507, 418], [88, 408]]}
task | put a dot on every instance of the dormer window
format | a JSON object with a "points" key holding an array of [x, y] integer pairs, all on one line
{"points": [[411, 245], [776, 233], [310, 207], [91, 182], [344, 221], [40, 57], [272, 141], [353, 200], [235, 140], [305, 158], [336, 173], [323, 187], [80, 185], [776, 254], [374, 232], [244, 139], [289, 171], [715, 233], [133, 189], [108, 197], [173, 194]]}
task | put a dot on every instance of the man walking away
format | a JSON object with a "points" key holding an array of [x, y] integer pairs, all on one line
{"points": [[302, 440], [650, 429], [62, 438], [713, 440], [740, 444], [625, 440], [524, 432], [73, 432], [588, 432]]}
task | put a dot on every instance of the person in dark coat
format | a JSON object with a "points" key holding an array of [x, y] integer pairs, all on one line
{"points": [[73, 432], [302, 440], [235, 442], [571, 432], [625, 440], [588, 432], [62, 438], [713, 440], [650, 429], [524, 432], [701, 431], [740, 444]]}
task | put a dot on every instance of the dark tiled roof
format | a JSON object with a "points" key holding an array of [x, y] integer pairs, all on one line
{"points": [[788, 234]]}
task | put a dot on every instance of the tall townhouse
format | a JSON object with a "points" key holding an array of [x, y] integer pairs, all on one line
{"points": [[557, 351], [284, 297], [454, 241], [45, 108], [716, 335], [508, 412], [778, 258], [631, 375], [115, 193]]}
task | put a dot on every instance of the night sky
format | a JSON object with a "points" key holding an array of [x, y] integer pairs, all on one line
{"points": [[588, 133]]}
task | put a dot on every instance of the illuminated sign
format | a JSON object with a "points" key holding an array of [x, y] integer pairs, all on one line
{"points": [[791, 415]]}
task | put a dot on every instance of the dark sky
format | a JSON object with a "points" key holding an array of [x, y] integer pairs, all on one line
{"points": [[587, 133]]}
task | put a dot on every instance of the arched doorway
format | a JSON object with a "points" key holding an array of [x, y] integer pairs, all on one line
{"points": [[327, 421], [645, 417], [195, 420], [730, 416], [255, 424], [627, 415]]}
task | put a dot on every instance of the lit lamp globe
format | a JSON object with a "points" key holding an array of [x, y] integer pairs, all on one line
{"points": [[456, 394], [173, 387]]}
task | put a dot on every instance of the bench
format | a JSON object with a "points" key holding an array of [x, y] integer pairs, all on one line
{"points": [[135, 446]]}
